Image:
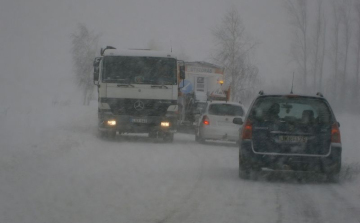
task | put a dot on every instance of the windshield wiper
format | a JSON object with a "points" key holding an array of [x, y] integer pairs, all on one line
{"points": [[125, 85], [160, 86]]}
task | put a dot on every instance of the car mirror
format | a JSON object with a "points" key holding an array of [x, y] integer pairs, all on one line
{"points": [[238, 121], [338, 124]]}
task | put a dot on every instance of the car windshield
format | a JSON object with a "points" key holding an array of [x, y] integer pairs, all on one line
{"points": [[139, 70], [292, 109], [226, 110]]}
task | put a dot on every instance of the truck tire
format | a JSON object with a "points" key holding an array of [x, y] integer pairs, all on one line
{"points": [[168, 137], [152, 135], [111, 134]]}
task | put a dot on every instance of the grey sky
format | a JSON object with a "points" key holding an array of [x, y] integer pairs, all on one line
{"points": [[35, 34]]}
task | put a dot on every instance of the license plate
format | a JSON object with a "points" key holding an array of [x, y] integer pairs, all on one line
{"points": [[301, 139], [139, 120]]}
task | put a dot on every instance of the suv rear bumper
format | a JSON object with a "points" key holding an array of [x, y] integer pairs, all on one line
{"points": [[329, 163], [220, 133]]}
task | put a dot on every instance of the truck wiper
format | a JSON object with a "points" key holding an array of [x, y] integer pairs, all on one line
{"points": [[125, 85], [160, 86]]}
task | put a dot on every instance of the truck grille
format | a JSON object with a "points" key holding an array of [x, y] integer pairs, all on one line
{"points": [[138, 107]]}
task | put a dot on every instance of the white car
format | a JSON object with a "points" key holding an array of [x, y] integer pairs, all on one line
{"points": [[216, 121]]}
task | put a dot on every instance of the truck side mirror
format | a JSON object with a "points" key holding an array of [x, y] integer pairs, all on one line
{"points": [[96, 68], [182, 72]]}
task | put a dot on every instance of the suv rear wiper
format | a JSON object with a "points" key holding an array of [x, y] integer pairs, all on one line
{"points": [[160, 86]]}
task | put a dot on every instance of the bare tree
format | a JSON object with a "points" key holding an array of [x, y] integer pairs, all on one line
{"points": [[318, 45], [233, 52], [84, 48], [357, 88], [322, 57], [336, 46], [297, 10], [345, 16]]}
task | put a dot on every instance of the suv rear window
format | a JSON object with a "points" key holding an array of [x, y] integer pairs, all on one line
{"points": [[226, 109], [292, 109]]}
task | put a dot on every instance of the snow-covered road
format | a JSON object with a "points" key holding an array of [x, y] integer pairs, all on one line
{"points": [[54, 169]]}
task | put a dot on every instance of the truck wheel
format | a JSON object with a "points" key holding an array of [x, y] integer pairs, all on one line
{"points": [[112, 134], [102, 134], [168, 137]]}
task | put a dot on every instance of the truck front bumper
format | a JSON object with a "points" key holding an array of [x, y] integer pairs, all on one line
{"points": [[134, 124]]}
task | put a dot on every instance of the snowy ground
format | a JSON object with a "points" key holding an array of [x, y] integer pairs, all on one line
{"points": [[53, 168]]}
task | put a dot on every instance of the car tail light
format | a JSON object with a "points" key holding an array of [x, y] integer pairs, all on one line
{"points": [[206, 120], [247, 130], [335, 133]]}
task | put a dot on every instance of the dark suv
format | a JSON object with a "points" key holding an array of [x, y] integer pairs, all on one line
{"points": [[290, 132]]}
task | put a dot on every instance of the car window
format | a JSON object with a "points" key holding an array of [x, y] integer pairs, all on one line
{"points": [[226, 109], [291, 109]]}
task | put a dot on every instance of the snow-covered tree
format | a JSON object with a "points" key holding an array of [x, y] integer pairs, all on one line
{"points": [[83, 49], [233, 52]]}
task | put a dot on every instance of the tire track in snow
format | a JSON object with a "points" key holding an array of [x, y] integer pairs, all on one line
{"points": [[186, 206], [347, 206], [298, 205], [279, 208]]}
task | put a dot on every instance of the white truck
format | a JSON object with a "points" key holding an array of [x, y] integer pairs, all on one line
{"points": [[137, 92]]}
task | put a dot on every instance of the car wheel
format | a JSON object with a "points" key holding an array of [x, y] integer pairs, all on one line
{"points": [[198, 137]]}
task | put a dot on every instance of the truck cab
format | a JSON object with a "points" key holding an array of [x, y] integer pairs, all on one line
{"points": [[137, 92]]}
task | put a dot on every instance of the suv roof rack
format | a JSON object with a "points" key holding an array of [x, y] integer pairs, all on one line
{"points": [[261, 92], [319, 94]]}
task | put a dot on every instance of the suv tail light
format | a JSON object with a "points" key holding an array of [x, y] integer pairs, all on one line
{"points": [[206, 120], [246, 132], [335, 133]]}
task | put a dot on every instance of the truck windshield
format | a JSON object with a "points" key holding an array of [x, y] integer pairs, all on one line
{"points": [[139, 70]]}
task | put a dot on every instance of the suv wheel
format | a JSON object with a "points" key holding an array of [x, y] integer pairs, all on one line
{"points": [[244, 169], [333, 177]]}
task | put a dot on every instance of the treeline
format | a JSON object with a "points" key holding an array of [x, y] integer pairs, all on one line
{"points": [[326, 48]]}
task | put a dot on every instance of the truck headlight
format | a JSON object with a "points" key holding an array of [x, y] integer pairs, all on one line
{"points": [[165, 124], [111, 122]]}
